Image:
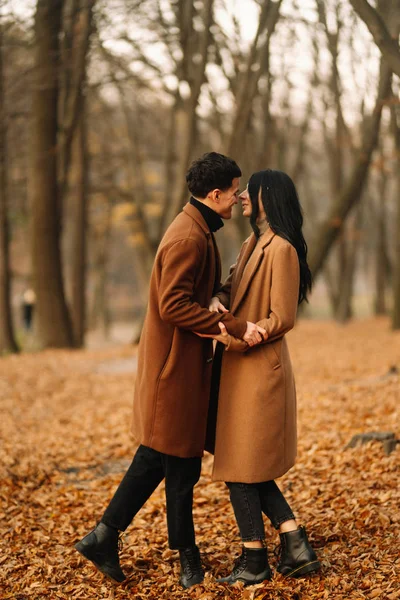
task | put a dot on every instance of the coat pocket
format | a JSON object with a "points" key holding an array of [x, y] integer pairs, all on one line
{"points": [[271, 351]]}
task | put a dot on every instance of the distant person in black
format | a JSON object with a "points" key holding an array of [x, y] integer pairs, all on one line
{"points": [[28, 308]]}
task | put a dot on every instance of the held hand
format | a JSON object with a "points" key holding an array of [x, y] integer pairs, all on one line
{"points": [[254, 334], [216, 306], [222, 337]]}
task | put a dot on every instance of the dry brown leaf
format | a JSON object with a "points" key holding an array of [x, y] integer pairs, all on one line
{"points": [[65, 445]]}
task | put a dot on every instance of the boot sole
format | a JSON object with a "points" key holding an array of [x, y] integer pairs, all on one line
{"points": [[81, 549], [246, 583], [187, 587], [307, 569]]}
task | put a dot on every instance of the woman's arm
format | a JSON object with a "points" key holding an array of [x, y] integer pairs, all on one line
{"points": [[284, 293]]}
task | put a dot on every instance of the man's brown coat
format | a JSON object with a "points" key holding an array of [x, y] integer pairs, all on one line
{"points": [[174, 365]]}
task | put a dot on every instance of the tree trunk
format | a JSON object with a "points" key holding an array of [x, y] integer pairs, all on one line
{"points": [[100, 312], [7, 339], [79, 201], [73, 147], [351, 242], [396, 275], [381, 256], [75, 49], [52, 318]]}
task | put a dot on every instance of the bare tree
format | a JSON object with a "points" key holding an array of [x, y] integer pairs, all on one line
{"points": [[7, 339], [52, 317], [382, 266], [350, 194], [79, 205], [257, 64], [73, 146], [191, 71], [387, 44], [76, 24], [395, 121]]}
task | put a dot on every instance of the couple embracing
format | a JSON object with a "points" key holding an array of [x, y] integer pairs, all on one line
{"points": [[238, 403]]}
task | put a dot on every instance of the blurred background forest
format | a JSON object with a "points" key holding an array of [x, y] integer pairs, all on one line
{"points": [[104, 103]]}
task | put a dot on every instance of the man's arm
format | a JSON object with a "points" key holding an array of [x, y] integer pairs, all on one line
{"points": [[180, 264]]}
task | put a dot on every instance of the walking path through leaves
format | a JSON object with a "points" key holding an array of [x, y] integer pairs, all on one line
{"points": [[65, 444]]}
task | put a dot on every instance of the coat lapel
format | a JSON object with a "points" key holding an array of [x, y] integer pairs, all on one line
{"points": [[249, 265], [241, 263]]}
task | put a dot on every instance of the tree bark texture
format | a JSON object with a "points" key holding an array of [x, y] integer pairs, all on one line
{"points": [[75, 50], [73, 147], [7, 339], [79, 201], [381, 258], [396, 274], [388, 45], [349, 250], [53, 326]]}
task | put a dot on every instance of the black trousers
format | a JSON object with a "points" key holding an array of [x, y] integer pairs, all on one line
{"points": [[250, 500], [145, 473]]}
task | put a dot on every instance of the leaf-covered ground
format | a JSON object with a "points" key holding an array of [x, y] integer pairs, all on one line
{"points": [[65, 445]]}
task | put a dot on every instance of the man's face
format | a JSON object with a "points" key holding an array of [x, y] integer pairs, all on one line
{"points": [[225, 200]]}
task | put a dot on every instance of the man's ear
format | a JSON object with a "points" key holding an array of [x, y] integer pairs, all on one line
{"points": [[214, 195]]}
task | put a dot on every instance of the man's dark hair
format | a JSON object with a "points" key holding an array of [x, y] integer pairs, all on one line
{"points": [[211, 171]]}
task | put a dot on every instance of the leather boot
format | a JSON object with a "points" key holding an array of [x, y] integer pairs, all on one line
{"points": [[251, 567], [191, 569], [100, 546], [297, 556]]}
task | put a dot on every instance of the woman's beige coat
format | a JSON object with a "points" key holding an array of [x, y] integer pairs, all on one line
{"points": [[256, 416]]}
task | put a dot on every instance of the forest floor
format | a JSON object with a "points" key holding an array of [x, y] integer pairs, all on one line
{"points": [[65, 444]]}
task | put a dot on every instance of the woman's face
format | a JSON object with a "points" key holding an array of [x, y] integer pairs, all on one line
{"points": [[246, 203], [247, 206]]}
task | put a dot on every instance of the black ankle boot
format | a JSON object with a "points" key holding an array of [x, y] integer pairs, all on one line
{"points": [[297, 556], [251, 567], [191, 569], [101, 547]]}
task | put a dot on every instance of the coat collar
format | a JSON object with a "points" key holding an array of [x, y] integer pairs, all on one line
{"points": [[212, 218], [196, 215], [249, 263], [215, 260]]}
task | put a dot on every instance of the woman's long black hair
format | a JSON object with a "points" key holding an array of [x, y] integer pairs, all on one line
{"points": [[284, 214]]}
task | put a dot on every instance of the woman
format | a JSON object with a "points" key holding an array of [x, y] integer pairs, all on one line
{"points": [[255, 420]]}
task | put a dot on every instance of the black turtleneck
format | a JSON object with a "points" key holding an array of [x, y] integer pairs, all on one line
{"points": [[212, 219]]}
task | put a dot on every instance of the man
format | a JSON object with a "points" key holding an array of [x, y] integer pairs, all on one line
{"points": [[174, 371]]}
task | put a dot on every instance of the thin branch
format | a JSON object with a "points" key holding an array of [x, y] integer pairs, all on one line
{"points": [[387, 45]]}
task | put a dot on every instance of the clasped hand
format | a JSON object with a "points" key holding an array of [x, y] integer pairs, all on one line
{"points": [[253, 335]]}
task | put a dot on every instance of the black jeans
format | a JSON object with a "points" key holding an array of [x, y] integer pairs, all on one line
{"points": [[250, 500], [145, 473]]}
